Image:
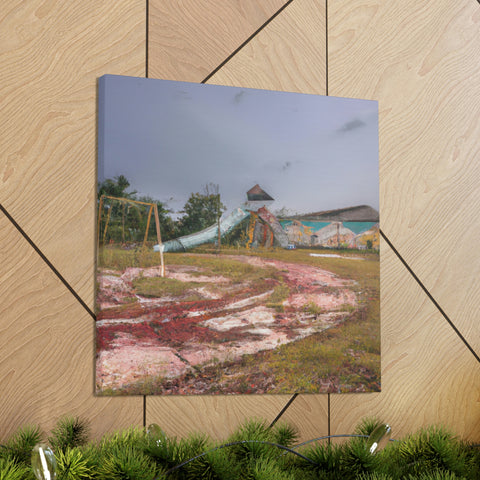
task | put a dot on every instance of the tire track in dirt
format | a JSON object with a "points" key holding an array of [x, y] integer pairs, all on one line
{"points": [[168, 337]]}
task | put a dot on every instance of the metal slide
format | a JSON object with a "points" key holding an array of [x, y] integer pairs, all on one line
{"points": [[209, 234]]}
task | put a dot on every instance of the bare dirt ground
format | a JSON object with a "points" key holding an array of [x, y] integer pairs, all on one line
{"points": [[140, 339]]}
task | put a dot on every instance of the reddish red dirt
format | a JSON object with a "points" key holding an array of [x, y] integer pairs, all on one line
{"points": [[169, 337]]}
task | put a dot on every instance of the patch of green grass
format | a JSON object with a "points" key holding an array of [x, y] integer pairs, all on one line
{"points": [[162, 286], [129, 300], [119, 259], [227, 267], [314, 309], [279, 295]]}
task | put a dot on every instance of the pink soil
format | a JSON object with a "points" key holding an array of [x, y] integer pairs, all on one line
{"points": [[168, 337]]}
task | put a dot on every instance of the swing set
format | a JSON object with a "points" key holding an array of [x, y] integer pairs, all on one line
{"points": [[152, 208]]}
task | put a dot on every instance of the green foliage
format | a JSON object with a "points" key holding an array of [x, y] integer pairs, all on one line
{"points": [[284, 434], [356, 459], [19, 446], [279, 295], [201, 210], [72, 464], [68, 433], [327, 458], [161, 286], [126, 463], [267, 469], [11, 470], [168, 228], [432, 449], [116, 187], [215, 465], [374, 476], [253, 432], [435, 475], [127, 220], [367, 425], [237, 237], [249, 454]]}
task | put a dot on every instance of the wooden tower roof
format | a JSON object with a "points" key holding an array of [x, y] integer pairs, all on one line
{"points": [[256, 193]]}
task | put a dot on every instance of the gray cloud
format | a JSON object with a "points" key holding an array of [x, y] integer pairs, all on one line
{"points": [[351, 125], [286, 166], [238, 97]]}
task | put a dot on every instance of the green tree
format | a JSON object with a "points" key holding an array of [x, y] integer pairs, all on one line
{"points": [[167, 225], [128, 220], [116, 187], [201, 210]]}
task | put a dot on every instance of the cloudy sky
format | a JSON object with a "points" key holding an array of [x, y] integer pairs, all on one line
{"points": [[309, 152]]}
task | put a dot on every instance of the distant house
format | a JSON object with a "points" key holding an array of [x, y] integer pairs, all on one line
{"points": [[351, 227]]}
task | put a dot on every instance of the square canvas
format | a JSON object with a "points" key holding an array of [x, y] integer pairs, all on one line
{"points": [[238, 241]]}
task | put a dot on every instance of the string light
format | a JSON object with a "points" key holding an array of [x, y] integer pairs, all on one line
{"points": [[43, 462]]}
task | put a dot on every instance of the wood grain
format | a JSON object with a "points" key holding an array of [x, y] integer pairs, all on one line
{"points": [[417, 58], [219, 416], [51, 54], [309, 414], [289, 54], [189, 39], [420, 61], [47, 354], [274, 59], [428, 376]]}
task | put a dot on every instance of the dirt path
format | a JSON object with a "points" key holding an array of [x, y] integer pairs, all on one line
{"points": [[170, 336]]}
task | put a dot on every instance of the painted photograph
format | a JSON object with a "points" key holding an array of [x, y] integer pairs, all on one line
{"points": [[238, 246]]}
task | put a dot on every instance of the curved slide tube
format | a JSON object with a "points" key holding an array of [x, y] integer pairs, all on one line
{"points": [[209, 234]]}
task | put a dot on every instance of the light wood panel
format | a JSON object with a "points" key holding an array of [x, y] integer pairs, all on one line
{"points": [[189, 39], [51, 54], [217, 416], [420, 60], [47, 354], [288, 54], [309, 414], [417, 58], [428, 376]]}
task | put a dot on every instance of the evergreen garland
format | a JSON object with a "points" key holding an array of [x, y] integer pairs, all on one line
{"points": [[254, 451]]}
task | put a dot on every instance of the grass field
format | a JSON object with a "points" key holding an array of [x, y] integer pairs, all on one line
{"points": [[343, 358]]}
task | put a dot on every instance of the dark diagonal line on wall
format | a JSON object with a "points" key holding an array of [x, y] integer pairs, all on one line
{"points": [[47, 261], [430, 296], [254, 34], [144, 411], [329, 431], [284, 409]]}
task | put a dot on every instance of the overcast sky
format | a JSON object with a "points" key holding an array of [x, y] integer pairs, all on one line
{"points": [[309, 152]]}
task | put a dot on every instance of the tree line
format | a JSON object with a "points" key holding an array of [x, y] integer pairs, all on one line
{"points": [[128, 221]]}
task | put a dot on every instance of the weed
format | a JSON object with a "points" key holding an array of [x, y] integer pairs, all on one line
{"points": [[161, 286]]}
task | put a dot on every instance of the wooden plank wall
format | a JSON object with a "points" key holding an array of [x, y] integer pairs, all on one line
{"points": [[419, 59]]}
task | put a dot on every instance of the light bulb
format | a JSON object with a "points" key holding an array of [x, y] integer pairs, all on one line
{"points": [[155, 433], [43, 462], [379, 438]]}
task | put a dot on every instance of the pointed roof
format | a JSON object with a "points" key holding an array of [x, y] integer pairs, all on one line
{"points": [[256, 193]]}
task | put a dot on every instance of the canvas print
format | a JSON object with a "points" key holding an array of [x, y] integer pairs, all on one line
{"points": [[238, 241]]}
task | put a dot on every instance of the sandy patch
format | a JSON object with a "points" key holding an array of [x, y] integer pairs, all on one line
{"points": [[131, 360]]}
